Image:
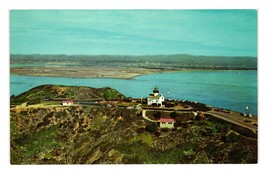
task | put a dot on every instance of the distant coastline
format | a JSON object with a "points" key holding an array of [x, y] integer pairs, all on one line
{"points": [[122, 67], [96, 72]]}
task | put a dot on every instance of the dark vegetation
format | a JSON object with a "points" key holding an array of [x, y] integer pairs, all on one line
{"points": [[101, 135], [164, 62], [40, 93], [110, 135]]}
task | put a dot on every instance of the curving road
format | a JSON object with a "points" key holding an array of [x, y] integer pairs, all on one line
{"points": [[236, 119]]}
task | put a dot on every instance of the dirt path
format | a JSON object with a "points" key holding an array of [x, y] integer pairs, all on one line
{"points": [[146, 118]]}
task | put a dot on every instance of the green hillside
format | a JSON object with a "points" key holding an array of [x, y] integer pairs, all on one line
{"points": [[39, 93]]}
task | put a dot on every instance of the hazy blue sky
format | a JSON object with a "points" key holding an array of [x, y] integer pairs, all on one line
{"points": [[134, 32]]}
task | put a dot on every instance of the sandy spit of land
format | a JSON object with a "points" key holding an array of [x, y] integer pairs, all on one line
{"points": [[83, 72]]}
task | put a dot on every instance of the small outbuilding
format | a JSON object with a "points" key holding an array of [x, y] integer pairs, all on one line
{"points": [[166, 123], [67, 103]]}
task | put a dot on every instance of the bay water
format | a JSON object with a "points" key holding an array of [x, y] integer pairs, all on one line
{"points": [[229, 89]]}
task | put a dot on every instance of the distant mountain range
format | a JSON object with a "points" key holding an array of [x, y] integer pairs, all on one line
{"points": [[169, 62]]}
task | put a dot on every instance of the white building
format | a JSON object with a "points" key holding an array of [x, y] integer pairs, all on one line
{"points": [[166, 123], [155, 98], [67, 103]]}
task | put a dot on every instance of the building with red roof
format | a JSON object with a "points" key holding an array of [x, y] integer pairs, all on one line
{"points": [[166, 123]]}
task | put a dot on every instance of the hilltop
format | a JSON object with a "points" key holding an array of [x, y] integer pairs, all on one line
{"points": [[40, 93], [45, 132]]}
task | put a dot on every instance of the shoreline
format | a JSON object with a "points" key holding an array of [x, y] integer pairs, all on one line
{"points": [[103, 79], [97, 72], [82, 72]]}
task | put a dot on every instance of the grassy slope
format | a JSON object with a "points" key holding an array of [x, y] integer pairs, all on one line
{"points": [[39, 93]]}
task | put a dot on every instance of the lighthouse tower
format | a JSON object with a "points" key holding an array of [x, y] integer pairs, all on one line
{"points": [[155, 98], [156, 91]]}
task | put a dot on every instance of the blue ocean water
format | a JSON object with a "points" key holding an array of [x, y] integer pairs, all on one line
{"points": [[231, 89]]}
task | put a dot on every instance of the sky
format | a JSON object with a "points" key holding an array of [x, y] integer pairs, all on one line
{"points": [[134, 32]]}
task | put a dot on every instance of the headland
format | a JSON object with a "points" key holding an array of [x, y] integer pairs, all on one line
{"points": [[82, 125]]}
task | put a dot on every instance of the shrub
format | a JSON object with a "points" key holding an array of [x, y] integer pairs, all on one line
{"points": [[164, 129], [218, 127], [152, 127], [239, 156], [133, 159], [140, 130], [231, 137], [157, 115], [157, 133], [209, 132], [173, 115], [169, 105], [40, 141], [184, 117], [33, 101]]}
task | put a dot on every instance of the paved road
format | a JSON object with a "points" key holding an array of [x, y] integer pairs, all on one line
{"points": [[235, 119]]}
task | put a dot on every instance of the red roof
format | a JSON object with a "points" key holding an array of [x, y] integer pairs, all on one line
{"points": [[169, 120]]}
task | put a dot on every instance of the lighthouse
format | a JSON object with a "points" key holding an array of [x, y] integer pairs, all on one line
{"points": [[156, 91], [155, 99]]}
